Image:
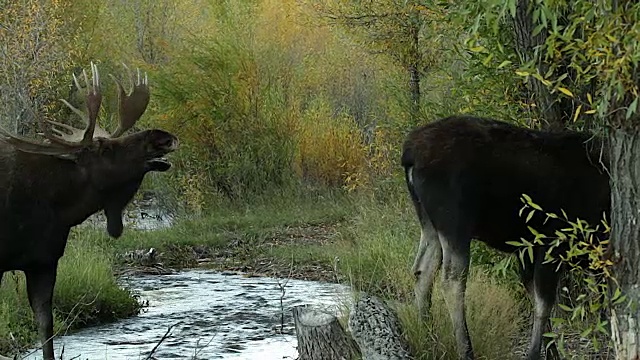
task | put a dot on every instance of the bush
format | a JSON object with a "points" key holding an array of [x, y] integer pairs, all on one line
{"points": [[330, 149], [214, 100]]}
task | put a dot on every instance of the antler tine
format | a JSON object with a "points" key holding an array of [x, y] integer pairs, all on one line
{"points": [[93, 101], [132, 106]]}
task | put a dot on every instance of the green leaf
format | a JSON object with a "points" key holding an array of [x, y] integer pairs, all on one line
{"points": [[486, 60], [512, 8], [632, 108], [529, 216], [535, 206], [565, 307], [586, 332], [504, 63]]}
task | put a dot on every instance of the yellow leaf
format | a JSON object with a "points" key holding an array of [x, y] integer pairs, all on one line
{"points": [[575, 116], [522, 73], [565, 91], [477, 48], [589, 98], [592, 111]]}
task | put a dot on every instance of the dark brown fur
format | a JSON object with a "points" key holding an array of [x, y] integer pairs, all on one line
{"points": [[466, 176]]}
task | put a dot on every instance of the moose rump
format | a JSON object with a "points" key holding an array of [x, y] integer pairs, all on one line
{"points": [[466, 175]]}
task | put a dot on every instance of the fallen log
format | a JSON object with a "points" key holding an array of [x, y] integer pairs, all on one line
{"points": [[321, 336], [375, 330]]}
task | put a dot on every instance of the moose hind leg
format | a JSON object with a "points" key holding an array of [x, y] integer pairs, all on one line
{"points": [[40, 284], [455, 266], [426, 265], [545, 281], [429, 255]]}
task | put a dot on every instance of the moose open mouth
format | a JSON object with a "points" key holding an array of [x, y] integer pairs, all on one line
{"points": [[158, 164]]}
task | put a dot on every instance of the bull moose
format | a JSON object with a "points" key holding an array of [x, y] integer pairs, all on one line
{"points": [[48, 187], [466, 175]]}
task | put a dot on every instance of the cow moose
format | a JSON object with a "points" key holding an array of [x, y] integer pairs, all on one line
{"points": [[48, 187], [466, 175]]}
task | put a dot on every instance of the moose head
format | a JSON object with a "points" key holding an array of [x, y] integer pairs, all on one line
{"points": [[113, 164]]}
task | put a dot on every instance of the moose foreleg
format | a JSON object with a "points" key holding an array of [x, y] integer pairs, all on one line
{"points": [[40, 283], [425, 266]]}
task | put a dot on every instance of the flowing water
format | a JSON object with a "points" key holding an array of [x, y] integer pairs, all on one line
{"points": [[144, 214], [214, 316]]}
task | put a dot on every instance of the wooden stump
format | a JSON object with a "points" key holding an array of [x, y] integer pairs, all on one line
{"points": [[376, 329], [374, 326], [321, 337]]}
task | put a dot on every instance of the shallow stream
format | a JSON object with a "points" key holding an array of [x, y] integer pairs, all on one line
{"points": [[214, 316]]}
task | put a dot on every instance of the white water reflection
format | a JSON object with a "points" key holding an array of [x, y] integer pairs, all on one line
{"points": [[217, 316]]}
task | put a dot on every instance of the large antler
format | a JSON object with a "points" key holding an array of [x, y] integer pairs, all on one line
{"points": [[132, 106], [64, 139], [78, 137]]}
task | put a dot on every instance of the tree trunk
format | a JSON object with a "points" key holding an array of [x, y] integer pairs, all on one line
{"points": [[415, 59], [321, 337], [547, 108], [625, 239], [377, 330], [414, 88]]}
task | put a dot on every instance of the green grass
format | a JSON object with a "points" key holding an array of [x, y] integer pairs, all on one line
{"points": [[250, 223], [494, 318], [86, 293]]}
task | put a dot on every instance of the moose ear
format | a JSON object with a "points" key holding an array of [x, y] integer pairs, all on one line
{"points": [[102, 146]]}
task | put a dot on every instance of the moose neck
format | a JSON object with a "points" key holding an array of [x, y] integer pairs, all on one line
{"points": [[67, 189]]}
